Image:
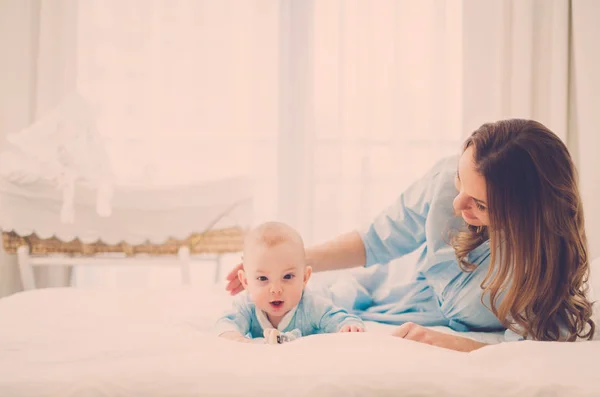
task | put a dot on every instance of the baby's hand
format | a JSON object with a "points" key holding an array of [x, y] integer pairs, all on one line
{"points": [[352, 328], [235, 336]]}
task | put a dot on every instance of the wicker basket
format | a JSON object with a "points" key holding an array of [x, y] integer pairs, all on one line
{"points": [[217, 241]]}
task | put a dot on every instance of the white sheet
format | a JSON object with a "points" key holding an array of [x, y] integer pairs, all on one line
{"points": [[70, 342]]}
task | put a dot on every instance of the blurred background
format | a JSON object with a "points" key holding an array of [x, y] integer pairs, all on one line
{"points": [[331, 107]]}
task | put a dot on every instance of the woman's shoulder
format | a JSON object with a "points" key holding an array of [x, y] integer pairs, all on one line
{"points": [[441, 178], [443, 187], [445, 166], [437, 180]]}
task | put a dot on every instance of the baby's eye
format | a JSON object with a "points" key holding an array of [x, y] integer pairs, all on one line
{"points": [[288, 276], [262, 278]]}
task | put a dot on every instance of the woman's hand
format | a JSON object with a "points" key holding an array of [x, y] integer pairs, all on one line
{"points": [[418, 333], [234, 286]]}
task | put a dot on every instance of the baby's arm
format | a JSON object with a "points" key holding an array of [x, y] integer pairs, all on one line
{"points": [[236, 336], [236, 323], [336, 319]]}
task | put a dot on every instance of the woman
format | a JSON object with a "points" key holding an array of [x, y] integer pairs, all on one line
{"points": [[503, 245]]}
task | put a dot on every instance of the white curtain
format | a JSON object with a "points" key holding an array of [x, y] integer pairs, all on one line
{"points": [[332, 106], [584, 110], [516, 62], [16, 37], [184, 91], [539, 59], [37, 41]]}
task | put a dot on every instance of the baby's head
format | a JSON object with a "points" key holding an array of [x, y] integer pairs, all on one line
{"points": [[275, 271]]}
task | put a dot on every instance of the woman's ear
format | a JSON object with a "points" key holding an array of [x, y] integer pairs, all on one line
{"points": [[307, 274], [242, 278]]}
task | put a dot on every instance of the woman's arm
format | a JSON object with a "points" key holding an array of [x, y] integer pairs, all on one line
{"points": [[396, 231], [343, 252], [418, 333]]}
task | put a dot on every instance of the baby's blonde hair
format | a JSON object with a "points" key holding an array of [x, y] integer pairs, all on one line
{"points": [[272, 234]]}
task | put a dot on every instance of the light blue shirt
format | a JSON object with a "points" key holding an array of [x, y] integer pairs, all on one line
{"points": [[438, 293], [314, 314]]}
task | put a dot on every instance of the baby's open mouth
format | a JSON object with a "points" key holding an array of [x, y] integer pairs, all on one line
{"points": [[276, 304]]}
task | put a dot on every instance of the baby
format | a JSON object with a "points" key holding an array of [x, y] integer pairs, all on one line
{"points": [[275, 304]]}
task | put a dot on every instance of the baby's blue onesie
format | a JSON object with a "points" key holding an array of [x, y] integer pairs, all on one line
{"points": [[314, 314]]}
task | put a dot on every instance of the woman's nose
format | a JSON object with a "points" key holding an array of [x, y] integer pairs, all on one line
{"points": [[461, 202]]}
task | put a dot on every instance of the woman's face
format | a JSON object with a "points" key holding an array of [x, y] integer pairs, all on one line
{"points": [[471, 201]]}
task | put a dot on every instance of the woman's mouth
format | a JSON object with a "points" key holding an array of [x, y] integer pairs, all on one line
{"points": [[468, 216]]}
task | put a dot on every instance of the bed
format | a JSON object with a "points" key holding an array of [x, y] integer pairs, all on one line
{"points": [[159, 342], [92, 342]]}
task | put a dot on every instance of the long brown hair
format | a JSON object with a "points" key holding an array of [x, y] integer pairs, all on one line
{"points": [[539, 264]]}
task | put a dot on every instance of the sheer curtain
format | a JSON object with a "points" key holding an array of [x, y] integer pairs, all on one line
{"points": [[516, 62], [185, 91], [584, 112], [386, 90], [17, 34], [539, 59], [333, 107], [38, 70]]}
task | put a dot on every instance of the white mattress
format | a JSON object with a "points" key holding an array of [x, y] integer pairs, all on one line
{"points": [[70, 342]]}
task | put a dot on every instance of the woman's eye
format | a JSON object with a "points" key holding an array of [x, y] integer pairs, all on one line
{"points": [[480, 207], [288, 277]]}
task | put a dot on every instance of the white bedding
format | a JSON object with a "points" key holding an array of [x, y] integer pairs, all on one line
{"points": [[77, 342]]}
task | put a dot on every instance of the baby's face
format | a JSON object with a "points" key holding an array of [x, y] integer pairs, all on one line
{"points": [[275, 277]]}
